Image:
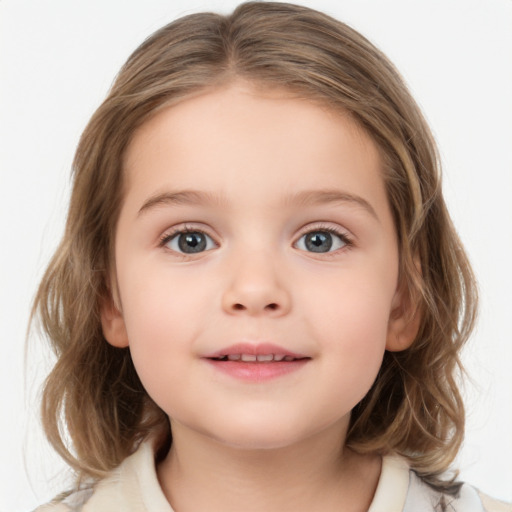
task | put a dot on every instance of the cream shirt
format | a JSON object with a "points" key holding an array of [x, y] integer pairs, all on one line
{"points": [[134, 487]]}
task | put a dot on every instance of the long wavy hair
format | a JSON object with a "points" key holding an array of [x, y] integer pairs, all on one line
{"points": [[95, 410]]}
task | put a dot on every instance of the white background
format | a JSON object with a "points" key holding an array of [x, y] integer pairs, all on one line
{"points": [[57, 61]]}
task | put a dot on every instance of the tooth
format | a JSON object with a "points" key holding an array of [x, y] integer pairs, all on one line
{"points": [[278, 357], [234, 357], [288, 358], [264, 358], [248, 358]]}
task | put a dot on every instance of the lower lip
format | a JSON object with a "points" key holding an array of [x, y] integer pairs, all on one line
{"points": [[257, 372]]}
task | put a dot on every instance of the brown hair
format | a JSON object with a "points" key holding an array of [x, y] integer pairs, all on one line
{"points": [[93, 394]]}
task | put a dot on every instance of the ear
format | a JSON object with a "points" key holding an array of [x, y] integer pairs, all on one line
{"points": [[112, 323], [404, 320]]}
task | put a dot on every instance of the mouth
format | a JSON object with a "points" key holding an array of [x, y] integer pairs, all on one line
{"points": [[256, 363], [259, 358]]}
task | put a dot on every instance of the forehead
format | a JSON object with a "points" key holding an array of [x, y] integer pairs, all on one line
{"points": [[270, 139]]}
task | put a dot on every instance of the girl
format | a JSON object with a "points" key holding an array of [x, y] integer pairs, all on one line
{"points": [[259, 299]]}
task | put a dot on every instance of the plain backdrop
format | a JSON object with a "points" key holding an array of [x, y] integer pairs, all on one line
{"points": [[57, 61]]}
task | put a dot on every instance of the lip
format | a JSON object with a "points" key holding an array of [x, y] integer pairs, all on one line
{"points": [[256, 371], [255, 349]]}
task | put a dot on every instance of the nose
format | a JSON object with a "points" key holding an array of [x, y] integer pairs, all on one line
{"points": [[256, 287]]}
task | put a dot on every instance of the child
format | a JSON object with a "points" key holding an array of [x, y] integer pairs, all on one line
{"points": [[260, 299]]}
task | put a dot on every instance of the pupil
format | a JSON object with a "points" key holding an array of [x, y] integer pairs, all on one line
{"points": [[192, 242], [319, 241]]}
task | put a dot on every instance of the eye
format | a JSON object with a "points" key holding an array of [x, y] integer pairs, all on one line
{"points": [[189, 242], [321, 241]]}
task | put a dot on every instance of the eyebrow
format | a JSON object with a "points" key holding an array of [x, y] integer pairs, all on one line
{"points": [[328, 196], [304, 198], [180, 198]]}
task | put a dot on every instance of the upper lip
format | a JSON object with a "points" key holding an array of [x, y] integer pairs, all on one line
{"points": [[256, 349]]}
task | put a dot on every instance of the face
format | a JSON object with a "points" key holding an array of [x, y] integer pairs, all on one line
{"points": [[256, 266]]}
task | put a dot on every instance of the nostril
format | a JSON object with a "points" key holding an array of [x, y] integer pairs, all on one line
{"points": [[240, 307]]}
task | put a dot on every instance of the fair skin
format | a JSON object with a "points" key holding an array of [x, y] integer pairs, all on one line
{"points": [[291, 250]]}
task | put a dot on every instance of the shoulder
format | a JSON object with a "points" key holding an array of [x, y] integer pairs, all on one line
{"points": [[421, 497], [401, 490], [101, 496], [492, 505], [68, 502], [131, 487]]}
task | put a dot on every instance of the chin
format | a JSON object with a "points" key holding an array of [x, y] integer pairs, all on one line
{"points": [[262, 436], [257, 443]]}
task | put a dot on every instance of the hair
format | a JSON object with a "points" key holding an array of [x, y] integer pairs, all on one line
{"points": [[95, 410]]}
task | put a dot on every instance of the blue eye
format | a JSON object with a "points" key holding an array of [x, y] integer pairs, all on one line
{"points": [[321, 241], [190, 242]]}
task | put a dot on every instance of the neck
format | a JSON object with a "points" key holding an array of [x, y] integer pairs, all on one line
{"points": [[319, 473]]}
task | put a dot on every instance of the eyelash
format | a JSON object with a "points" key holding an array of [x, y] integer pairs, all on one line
{"points": [[341, 234], [180, 230]]}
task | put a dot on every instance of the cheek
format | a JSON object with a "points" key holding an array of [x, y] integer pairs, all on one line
{"points": [[353, 304], [157, 304], [355, 351], [351, 322], [160, 321]]}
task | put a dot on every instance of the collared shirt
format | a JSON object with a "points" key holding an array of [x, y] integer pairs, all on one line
{"points": [[134, 487]]}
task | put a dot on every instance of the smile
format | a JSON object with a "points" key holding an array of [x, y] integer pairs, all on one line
{"points": [[256, 362], [260, 358]]}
